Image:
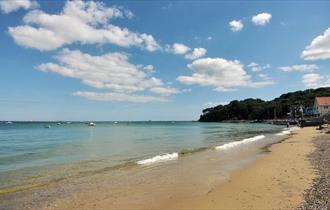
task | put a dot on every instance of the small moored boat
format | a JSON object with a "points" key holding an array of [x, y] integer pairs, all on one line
{"points": [[91, 124]]}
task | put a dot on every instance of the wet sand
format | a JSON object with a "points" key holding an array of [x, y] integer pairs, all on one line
{"points": [[277, 180]]}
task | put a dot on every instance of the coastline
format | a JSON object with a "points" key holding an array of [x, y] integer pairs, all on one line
{"points": [[277, 180], [261, 174]]}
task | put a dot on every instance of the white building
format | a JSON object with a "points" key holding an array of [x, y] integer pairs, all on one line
{"points": [[322, 105]]}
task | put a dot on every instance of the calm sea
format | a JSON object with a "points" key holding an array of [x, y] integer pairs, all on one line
{"points": [[31, 154]]}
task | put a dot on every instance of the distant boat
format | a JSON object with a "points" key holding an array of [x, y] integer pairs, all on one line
{"points": [[9, 122], [115, 122], [58, 123], [47, 126], [91, 124]]}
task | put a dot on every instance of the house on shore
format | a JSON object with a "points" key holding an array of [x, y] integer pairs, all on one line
{"points": [[322, 106]]}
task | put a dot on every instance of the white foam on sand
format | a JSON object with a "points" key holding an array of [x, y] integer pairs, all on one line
{"points": [[284, 133], [287, 131], [159, 158], [238, 143]]}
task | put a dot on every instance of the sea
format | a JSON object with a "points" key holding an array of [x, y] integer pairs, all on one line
{"points": [[39, 156]]}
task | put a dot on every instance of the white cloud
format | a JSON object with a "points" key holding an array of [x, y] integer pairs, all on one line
{"points": [[8, 6], [264, 77], [209, 38], [179, 48], [253, 64], [84, 22], [111, 71], [222, 74], [149, 68], [301, 68], [236, 25], [255, 67], [313, 80], [261, 19], [119, 97], [319, 48], [196, 53], [165, 91]]}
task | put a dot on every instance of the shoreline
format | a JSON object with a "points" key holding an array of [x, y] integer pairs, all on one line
{"points": [[282, 176], [215, 182], [276, 179]]}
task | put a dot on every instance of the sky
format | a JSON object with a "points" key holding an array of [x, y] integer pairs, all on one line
{"points": [[155, 60]]}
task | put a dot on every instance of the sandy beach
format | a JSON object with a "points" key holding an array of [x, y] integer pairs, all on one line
{"points": [[277, 180], [286, 175], [164, 105]]}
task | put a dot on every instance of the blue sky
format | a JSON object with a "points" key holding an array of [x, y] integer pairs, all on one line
{"points": [[155, 60]]}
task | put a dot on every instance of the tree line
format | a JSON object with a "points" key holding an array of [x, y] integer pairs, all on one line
{"points": [[257, 109]]}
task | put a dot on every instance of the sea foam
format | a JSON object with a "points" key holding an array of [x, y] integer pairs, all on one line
{"points": [[237, 143], [159, 158], [287, 131]]}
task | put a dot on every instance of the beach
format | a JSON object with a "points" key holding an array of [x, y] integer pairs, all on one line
{"points": [[164, 105], [262, 172], [318, 195], [277, 180]]}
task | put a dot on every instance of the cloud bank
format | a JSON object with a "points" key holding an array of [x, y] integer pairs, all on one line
{"points": [[222, 74], [319, 48], [301, 68], [84, 22], [111, 71]]}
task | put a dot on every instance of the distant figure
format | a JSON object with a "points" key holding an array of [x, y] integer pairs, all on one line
{"points": [[287, 124]]}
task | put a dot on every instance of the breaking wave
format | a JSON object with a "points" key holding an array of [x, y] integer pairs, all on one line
{"points": [[159, 158], [238, 143], [287, 131]]}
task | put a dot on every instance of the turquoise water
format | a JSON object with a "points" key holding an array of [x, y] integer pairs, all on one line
{"points": [[31, 153]]}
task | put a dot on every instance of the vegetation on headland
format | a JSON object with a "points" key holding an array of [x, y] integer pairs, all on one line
{"points": [[257, 109]]}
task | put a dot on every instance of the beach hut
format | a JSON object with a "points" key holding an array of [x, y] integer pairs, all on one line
{"points": [[322, 106]]}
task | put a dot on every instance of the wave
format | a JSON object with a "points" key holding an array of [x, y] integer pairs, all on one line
{"points": [[175, 155], [287, 131], [294, 128], [237, 143], [170, 156], [159, 158]]}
